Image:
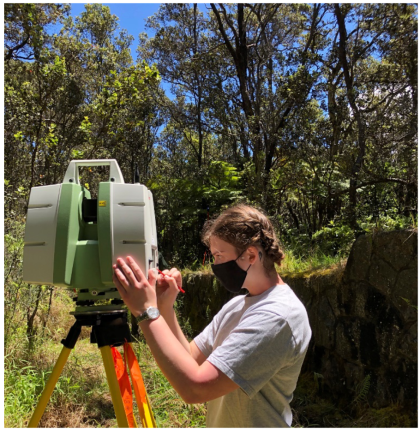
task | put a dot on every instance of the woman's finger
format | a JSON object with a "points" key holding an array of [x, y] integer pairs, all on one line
{"points": [[152, 274], [136, 270], [128, 272], [174, 273], [172, 283], [121, 278], [121, 289]]}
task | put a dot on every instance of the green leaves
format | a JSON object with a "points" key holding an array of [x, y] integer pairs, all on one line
{"points": [[221, 183], [266, 120], [18, 136], [25, 23]]}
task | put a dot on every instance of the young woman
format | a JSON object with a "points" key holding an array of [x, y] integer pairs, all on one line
{"points": [[247, 361]]}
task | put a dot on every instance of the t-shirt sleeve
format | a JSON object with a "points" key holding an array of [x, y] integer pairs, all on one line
{"points": [[260, 345]]}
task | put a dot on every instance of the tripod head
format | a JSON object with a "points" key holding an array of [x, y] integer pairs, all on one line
{"points": [[72, 240]]}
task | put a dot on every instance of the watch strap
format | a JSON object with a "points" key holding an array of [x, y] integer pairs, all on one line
{"points": [[145, 315]]}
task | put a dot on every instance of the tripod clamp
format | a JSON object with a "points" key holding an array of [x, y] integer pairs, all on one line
{"points": [[108, 329]]}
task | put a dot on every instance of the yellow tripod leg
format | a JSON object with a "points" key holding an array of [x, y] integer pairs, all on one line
{"points": [[49, 387], [114, 387], [148, 414]]}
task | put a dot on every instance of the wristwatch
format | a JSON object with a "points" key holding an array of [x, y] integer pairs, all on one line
{"points": [[151, 313]]}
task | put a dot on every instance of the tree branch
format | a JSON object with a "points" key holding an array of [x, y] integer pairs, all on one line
{"points": [[16, 48]]}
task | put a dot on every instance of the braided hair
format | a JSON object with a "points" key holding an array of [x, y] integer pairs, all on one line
{"points": [[243, 226]]}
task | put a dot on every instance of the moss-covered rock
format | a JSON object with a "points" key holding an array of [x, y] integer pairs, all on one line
{"points": [[364, 320]]}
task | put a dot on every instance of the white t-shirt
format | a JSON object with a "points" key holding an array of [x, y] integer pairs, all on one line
{"points": [[260, 343]]}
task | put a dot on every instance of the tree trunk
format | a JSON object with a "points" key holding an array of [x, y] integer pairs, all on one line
{"points": [[199, 90], [30, 318], [351, 95]]}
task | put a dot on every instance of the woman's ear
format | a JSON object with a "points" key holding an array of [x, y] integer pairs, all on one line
{"points": [[252, 254]]}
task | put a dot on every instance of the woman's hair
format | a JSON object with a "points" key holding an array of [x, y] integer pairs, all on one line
{"points": [[243, 226]]}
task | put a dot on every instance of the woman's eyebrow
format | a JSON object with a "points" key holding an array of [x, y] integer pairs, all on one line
{"points": [[216, 251]]}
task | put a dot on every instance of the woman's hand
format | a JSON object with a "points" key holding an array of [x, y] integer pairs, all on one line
{"points": [[137, 292], [167, 289]]}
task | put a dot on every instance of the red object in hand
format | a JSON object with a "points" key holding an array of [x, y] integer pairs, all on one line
{"points": [[180, 288]]}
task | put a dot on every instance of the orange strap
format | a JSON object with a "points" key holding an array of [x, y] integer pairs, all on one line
{"points": [[135, 373], [125, 387], [143, 403]]}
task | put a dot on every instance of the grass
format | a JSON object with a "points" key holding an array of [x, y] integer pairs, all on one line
{"points": [[81, 397], [168, 407], [313, 261], [292, 263], [198, 268]]}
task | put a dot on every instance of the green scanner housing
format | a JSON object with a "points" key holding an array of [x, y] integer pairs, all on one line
{"points": [[72, 240]]}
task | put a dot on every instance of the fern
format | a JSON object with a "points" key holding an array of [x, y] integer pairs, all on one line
{"points": [[362, 390]]}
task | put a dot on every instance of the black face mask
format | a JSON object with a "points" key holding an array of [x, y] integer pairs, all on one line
{"points": [[230, 275]]}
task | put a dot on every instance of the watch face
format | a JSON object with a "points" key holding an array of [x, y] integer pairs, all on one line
{"points": [[153, 312]]}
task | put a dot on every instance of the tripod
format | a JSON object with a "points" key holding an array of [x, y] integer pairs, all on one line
{"points": [[109, 328]]}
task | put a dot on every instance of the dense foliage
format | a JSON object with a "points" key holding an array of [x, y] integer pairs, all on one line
{"points": [[309, 111], [306, 110]]}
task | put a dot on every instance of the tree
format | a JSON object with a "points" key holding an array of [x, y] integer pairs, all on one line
{"points": [[179, 48], [274, 77], [356, 50], [313, 107], [25, 25]]}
